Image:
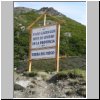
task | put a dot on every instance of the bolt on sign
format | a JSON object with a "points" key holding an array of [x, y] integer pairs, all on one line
{"points": [[43, 42]]}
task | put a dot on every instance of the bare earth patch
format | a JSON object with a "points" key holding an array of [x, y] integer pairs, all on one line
{"points": [[44, 85]]}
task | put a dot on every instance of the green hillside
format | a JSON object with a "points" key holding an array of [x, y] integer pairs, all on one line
{"points": [[72, 35]]}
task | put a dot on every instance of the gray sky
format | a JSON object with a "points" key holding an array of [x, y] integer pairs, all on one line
{"points": [[74, 10]]}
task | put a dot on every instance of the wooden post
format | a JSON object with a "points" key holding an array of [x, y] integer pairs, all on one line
{"points": [[30, 61], [57, 52], [44, 19], [30, 66], [30, 26]]}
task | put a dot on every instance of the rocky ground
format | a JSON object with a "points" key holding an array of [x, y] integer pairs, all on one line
{"points": [[48, 85]]}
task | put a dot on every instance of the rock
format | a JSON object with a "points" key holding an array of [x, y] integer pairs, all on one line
{"points": [[18, 87], [23, 83], [31, 85], [70, 92], [37, 87], [18, 94], [38, 78], [82, 91]]}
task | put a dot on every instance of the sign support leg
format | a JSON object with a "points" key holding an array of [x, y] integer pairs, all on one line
{"points": [[57, 55], [57, 64], [44, 19], [30, 66]]}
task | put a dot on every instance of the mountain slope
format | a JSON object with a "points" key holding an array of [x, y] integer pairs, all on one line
{"points": [[20, 10], [72, 35], [50, 11]]}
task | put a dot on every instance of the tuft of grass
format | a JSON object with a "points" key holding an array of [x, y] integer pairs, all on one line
{"points": [[68, 74], [73, 73], [30, 74]]}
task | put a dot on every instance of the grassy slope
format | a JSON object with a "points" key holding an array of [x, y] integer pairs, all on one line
{"points": [[72, 46]]}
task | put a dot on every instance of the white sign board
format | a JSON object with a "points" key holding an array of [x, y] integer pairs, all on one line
{"points": [[43, 54], [44, 37]]}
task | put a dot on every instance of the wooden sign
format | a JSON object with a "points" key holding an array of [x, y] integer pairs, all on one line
{"points": [[44, 42], [44, 37], [43, 53]]}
